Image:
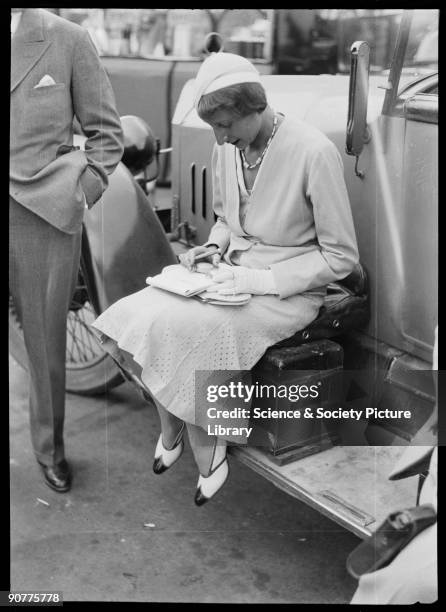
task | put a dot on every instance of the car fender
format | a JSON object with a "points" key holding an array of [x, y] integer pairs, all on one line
{"points": [[123, 241]]}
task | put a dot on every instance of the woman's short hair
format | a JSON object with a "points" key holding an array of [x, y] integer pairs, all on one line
{"points": [[242, 99]]}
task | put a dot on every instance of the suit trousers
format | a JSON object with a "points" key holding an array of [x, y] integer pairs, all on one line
{"points": [[43, 269]]}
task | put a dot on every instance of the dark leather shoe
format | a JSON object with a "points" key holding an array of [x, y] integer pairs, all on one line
{"points": [[57, 476]]}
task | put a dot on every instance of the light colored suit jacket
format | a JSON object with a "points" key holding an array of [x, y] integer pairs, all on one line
{"points": [[47, 175], [299, 222]]}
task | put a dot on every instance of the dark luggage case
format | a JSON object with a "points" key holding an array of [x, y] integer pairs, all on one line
{"points": [[315, 363]]}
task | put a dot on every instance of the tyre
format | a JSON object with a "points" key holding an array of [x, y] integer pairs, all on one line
{"points": [[89, 370]]}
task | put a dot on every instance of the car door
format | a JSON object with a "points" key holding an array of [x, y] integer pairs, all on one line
{"points": [[419, 307], [393, 192], [397, 215]]}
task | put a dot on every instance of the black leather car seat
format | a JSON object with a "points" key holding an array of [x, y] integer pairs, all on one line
{"points": [[346, 307]]}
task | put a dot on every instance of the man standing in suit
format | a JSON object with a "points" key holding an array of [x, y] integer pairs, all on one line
{"points": [[56, 74]]}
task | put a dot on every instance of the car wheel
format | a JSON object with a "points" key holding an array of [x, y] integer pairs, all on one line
{"points": [[89, 369]]}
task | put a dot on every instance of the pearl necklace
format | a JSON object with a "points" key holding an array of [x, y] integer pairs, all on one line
{"points": [[262, 155]]}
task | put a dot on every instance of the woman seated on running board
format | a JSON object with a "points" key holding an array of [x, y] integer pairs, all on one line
{"points": [[285, 228]]}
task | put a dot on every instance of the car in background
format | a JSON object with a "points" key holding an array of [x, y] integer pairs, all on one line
{"points": [[150, 54]]}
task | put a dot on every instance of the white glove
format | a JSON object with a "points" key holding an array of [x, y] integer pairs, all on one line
{"points": [[239, 279]]}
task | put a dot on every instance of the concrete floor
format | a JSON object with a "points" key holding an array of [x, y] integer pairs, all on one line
{"points": [[124, 534]]}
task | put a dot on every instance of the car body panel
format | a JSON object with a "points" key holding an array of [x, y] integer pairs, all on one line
{"points": [[420, 234], [126, 240], [141, 88]]}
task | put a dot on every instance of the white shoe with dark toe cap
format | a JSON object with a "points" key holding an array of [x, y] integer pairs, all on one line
{"points": [[164, 458], [208, 486]]}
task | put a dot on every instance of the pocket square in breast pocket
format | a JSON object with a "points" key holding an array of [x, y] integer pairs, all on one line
{"points": [[45, 81]]}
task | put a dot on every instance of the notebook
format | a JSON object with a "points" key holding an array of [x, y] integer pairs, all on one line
{"points": [[223, 300], [178, 279]]}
